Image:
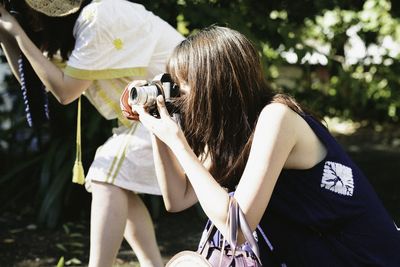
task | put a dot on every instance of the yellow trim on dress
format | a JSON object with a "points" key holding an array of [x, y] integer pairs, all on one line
{"points": [[117, 88], [120, 157], [58, 61], [119, 165], [114, 106], [104, 74]]}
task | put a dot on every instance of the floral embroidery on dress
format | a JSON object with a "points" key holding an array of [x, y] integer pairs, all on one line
{"points": [[118, 44], [338, 178], [89, 14]]}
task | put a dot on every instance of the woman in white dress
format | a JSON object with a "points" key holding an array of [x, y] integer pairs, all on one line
{"points": [[114, 42]]}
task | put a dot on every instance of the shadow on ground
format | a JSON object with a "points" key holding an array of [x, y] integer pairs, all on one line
{"points": [[23, 244]]}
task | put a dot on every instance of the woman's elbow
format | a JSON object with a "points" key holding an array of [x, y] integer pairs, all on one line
{"points": [[66, 94], [64, 99], [173, 207]]}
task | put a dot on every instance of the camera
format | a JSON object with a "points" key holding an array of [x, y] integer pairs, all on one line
{"points": [[146, 95]]}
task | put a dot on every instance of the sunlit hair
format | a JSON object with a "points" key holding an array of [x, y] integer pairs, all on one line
{"points": [[228, 92]]}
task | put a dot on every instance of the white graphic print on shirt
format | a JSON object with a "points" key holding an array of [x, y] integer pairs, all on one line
{"points": [[398, 228], [338, 178]]}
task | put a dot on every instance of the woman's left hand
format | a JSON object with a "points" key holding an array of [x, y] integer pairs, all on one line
{"points": [[8, 24], [165, 128], [124, 103]]}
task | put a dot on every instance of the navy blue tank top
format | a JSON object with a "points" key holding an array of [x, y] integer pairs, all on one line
{"points": [[328, 215]]}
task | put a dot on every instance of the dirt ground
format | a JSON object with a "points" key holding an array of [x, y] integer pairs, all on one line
{"points": [[24, 244]]}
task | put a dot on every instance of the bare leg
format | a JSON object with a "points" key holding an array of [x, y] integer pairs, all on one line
{"points": [[108, 219], [139, 233]]}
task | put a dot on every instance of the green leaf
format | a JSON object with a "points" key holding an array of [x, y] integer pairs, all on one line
{"points": [[61, 247], [73, 261], [66, 229], [60, 262], [76, 244]]}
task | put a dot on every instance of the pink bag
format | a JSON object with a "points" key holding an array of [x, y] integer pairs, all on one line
{"points": [[211, 255]]}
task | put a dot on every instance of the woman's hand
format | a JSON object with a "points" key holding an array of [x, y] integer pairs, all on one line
{"points": [[123, 102], [8, 24], [165, 128]]}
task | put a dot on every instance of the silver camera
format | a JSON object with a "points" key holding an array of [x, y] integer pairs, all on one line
{"points": [[147, 94]]}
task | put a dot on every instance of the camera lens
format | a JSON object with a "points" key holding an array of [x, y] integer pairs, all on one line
{"points": [[134, 93], [143, 95]]}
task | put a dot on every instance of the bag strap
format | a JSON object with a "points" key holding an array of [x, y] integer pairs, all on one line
{"points": [[259, 229], [235, 220], [206, 236]]}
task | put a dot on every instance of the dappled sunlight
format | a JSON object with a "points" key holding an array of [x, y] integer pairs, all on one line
{"points": [[340, 126]]}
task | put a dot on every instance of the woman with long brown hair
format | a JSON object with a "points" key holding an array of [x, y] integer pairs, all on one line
{"points": [[104, 45], [287, 172]]}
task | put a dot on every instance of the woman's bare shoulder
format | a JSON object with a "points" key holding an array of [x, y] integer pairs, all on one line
{"points": [[278, 113]]}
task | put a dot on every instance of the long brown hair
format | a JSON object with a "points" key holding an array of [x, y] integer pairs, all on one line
{"points": [[227, 93], [55, 34]]}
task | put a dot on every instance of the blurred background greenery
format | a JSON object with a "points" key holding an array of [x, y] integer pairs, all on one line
{"points": [[338, 57]]}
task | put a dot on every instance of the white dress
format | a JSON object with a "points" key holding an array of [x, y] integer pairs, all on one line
{"points": [[116, 42]]}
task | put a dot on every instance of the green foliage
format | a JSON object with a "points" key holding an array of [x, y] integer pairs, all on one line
{"points": [[60, 262], [304, 47], [72, 244], [39, 162], [365, 89]]}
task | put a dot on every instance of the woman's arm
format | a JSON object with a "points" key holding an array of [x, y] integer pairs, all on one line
{"points": [[274, 138], [177, 192], [212, 197], [66, 89]]}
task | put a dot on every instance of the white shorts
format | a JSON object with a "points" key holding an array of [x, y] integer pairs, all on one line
{"points": [[126, 160]]}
